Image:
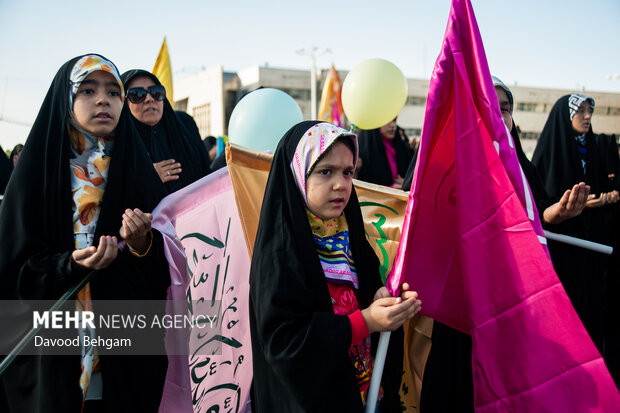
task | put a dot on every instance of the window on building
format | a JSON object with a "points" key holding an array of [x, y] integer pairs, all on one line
{"points": [[298, 94], [416, 100], [413, 132], [606, 111], [202, 116], [529, 135], [533, 107], [181, 105], [526, 107]]}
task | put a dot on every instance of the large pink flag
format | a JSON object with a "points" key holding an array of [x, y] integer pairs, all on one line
{"points": [[471, 247], [209, 267]]}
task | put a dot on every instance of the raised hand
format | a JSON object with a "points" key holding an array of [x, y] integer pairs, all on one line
{"points": [[136, 228], [387, 313], [97, 258], [605, 198], [570, 205], [168, 170]]}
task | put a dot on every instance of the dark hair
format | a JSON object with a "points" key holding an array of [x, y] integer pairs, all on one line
{"points": [[16, 150], [210, 142]]}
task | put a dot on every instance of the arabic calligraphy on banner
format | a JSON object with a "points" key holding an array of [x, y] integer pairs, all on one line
{"points": [[220, 359]]}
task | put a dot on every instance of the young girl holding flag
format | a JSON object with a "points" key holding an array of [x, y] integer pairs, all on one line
{"points": [[316, 295]]}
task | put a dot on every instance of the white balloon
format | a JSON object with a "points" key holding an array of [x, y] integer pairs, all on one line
{"points": [[261, 118]]}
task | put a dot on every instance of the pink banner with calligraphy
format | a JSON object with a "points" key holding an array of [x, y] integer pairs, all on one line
{"points": [[212, 277]]}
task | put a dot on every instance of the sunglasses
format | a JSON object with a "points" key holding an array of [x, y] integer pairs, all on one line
{"points": [[138, 94]]}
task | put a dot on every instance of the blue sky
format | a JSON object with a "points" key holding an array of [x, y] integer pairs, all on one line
{"points": [[552, 43]]}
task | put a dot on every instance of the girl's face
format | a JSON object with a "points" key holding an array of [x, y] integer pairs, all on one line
{"points": [[149, 111], [581, 118], [328, 186], [97, 104]]}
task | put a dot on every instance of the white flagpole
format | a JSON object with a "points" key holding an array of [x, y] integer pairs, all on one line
{"points": [[377, 371], [578, 242]]}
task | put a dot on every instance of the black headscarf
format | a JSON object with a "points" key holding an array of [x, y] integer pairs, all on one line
{"points": [[36, 242], [375, 166], [190, 126], [209, 142], [6, 167], [541, 198], [15, 152], [219, 162], [170, 139], [408, 177], [300, 347]]}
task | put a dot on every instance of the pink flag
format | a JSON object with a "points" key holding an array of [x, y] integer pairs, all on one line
{"points": [[471, 248], [209, 266]]}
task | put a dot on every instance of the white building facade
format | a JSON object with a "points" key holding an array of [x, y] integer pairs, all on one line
{"points": [[211, 95]]}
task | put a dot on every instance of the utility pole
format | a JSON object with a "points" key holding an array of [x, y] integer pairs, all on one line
{"points": [[314, 52]]}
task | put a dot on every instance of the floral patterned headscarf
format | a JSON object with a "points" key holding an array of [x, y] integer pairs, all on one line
{"points": [[87, 65], [316, 141]]}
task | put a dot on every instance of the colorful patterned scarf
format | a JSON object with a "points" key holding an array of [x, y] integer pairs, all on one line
{"points": [[331, 239], [90, 161]]}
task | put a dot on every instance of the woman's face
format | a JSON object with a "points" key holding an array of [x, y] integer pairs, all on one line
{"points": [[504, 105], [16, 156], [150, 111], [97, 104], [581, 118], [328, 187], [213, 152], [389, 129]]}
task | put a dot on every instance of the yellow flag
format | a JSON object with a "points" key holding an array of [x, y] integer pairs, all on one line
{"points": [[330, 108], [163, 71], [383, 211]]}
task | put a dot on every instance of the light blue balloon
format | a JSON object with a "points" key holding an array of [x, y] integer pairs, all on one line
{"points": [[261, 118]]}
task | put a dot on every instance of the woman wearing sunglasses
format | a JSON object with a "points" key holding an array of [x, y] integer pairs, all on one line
{"points": [[177, 156]]}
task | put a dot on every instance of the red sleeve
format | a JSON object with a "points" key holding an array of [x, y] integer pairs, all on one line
{"points": [[359, 329]]}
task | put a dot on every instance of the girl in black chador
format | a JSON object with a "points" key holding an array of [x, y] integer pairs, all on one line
{"points": [[83, 183], [316, 295]]}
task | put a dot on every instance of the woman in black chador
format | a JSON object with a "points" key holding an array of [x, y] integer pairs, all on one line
{"points": [[178, 154], [569, 152], [385, 154], [83, 182]]}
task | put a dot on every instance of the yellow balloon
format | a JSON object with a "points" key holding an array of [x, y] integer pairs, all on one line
{"points": [[373, 93]]}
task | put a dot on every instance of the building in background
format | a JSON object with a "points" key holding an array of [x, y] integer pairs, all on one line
{"points": [[211, 95]]}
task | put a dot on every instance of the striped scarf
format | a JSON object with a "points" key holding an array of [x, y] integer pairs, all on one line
{"points": [[331, 238]]}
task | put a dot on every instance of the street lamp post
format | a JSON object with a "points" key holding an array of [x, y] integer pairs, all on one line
{"points": [[314, 52]]}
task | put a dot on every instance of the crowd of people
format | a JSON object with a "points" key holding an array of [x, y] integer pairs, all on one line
{"points": [[94, 167]]}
